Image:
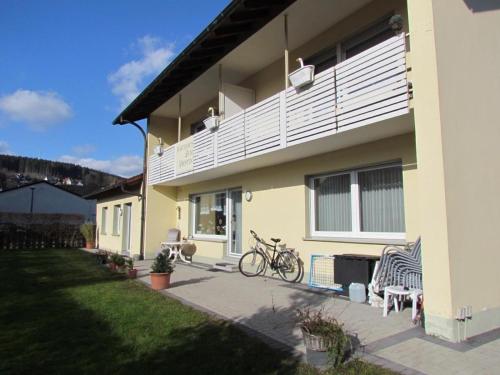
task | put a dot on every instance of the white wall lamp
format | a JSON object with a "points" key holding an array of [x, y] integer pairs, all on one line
{"points": [[248, 195]]}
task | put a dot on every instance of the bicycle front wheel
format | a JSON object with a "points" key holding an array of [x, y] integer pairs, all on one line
{"points": [[288, 266], [252, 263]]}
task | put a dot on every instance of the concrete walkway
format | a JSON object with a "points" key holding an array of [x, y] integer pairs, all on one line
{"points": [[267, 307]]}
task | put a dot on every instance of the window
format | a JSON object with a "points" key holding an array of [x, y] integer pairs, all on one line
{"points": [[323, 59], [365, 203], [368, 38], [104, 215], [197, 127], [357, 43], [209, 214], [116, 219]]}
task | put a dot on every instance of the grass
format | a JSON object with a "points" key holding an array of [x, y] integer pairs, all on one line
{"points": [[61, 313]]}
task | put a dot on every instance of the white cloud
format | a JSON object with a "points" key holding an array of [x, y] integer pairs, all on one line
{"points": [[126, 165], [38, 109], [155, 55], [83, 150], [5, 148]]}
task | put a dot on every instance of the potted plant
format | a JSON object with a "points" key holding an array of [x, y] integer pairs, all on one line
{"points": [[160, 271], [212, 121], [132, 272], [88, 232], [302, 76], [324, 337], [116, 261]]}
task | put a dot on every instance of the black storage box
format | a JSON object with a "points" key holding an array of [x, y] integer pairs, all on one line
{"points": [[350, 268]]}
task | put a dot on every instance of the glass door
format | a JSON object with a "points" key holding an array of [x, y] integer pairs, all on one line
{"points": [[127, 216], [234, 233]]}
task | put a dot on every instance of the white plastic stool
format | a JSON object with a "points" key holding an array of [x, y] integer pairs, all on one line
{"points": [[398, 293]]}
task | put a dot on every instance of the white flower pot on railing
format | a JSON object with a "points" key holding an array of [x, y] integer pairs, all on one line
{"points": [[158, 150], [302, 76], [212, 122]]}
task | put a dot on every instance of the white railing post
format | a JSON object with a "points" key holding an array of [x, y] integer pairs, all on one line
{"points": [[283, 119]]}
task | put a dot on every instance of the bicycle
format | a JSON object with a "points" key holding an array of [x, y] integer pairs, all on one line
{"points": [[284, 261]]}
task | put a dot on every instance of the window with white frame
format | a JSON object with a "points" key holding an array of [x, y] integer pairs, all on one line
{"points": [[117, 210], [364, 203], [104, 215], [209, 214]]}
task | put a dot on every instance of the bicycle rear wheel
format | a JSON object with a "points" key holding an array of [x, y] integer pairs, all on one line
{"points": [[252, 263], [288, 266]]}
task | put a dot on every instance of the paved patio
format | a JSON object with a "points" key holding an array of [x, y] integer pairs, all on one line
{"points": [[266, 307]]}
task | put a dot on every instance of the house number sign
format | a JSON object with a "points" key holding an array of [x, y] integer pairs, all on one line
{"points": [[184, 156]]}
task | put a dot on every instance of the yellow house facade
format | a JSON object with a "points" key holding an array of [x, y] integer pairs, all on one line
{"points": [[394, 139], [118, 217]]}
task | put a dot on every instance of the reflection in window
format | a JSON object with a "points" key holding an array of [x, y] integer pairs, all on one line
{"points": [[210, 214]]}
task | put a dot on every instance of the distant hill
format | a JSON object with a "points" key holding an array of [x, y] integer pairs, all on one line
{"points": [[19, 170]]}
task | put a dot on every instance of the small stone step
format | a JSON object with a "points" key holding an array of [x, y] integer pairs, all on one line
{"points": [[227, 267]]}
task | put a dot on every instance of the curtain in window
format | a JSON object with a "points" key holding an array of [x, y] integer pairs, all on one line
{"points": [[210, 214], [333, 203], [381, 196]]}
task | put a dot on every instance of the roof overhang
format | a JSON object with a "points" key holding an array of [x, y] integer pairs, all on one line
{"points": [[235, 24], [132, 184]]}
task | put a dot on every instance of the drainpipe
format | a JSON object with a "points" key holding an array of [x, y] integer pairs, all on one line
{"points": [[144, 179]]}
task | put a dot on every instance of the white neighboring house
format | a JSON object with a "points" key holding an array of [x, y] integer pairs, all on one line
{"points": [[43, 197]]}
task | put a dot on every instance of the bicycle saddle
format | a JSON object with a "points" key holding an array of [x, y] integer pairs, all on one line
{"points": [[276, 240]]}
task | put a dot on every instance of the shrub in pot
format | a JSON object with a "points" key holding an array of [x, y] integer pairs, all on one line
{"points": [[132, 272], [324, 337], [88, 232], [160, 271], [116, 261]]}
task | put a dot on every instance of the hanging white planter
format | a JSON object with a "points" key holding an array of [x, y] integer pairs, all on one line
{"points": [[158, 150], [211, 122], [302, 76]]}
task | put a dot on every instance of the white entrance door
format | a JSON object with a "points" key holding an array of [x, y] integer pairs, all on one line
{"points": [[127, 218], [234, 220]]}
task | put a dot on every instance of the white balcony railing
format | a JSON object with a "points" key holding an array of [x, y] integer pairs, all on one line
{"points": [[364, 89]]}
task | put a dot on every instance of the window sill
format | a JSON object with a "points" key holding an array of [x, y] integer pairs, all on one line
{"points": [[377, 241], [207, 239]]}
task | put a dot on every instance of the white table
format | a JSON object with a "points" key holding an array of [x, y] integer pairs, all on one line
{"points": [[398, 294], [174, 250]]}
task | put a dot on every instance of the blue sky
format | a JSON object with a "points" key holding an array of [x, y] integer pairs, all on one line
{"points": [[67, 68]]}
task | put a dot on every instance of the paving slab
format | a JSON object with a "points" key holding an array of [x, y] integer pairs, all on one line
{"points": [[267, 306]]}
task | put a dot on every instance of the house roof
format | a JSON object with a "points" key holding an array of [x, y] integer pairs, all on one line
{"points": [[236, 23], [131, 184], [41, 182]]}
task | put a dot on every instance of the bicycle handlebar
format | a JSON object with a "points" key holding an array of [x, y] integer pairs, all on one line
{"points": [[255, 235]]}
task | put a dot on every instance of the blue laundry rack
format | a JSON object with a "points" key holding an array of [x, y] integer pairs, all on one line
{"points": [[321, 274]]}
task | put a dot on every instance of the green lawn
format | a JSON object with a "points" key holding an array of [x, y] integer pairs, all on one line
{"points": [[61, 313]]}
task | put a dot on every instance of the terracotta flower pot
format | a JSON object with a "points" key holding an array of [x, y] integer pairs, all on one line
{"points": [[132, 274], [160, 280], [89, 245], [112, 266]]}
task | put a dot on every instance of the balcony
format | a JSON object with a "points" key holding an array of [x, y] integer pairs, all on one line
{"points": [[334, 112]]}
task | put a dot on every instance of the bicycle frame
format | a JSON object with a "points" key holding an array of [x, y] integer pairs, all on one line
{"points": [[266, 250]]}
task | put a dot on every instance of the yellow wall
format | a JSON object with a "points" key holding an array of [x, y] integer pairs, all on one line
{"points": [[109, 241], [278, 207], [455, 55]]}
